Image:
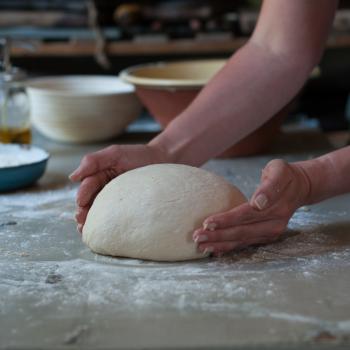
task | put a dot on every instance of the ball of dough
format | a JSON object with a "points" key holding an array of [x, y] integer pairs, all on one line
{"points": [[151, 212]]}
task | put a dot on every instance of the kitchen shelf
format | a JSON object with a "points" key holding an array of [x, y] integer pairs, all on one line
{"points": [[183, 46], [173, 47]]}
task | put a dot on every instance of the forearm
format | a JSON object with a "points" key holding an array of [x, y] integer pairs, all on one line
{"points": [[328, 175], [254, 85]]}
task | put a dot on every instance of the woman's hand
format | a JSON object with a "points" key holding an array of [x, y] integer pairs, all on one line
{"points": [[97, 169], [284, 188]]}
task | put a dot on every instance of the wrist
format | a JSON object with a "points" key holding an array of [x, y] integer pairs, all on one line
{"points": [[161, 150], [174, 150], [316, 177], [305, 184]]}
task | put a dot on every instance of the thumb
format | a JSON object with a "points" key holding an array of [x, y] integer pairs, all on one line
{"points": [[275, 178]]}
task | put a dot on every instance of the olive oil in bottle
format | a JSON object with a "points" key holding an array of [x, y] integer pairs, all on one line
{"points": [[15, 135], [14, 103]]}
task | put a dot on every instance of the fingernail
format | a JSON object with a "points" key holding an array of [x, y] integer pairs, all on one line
{"points": [[197, 232], [73, 174], [208, 250], [201, 238], [211, 226], [77, 213], [261, 201]]}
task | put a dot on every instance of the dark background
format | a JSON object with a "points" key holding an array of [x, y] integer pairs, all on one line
{"points": [[324, 98]]}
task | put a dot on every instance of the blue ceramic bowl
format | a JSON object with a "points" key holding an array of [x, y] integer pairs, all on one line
{"points": [[20, 165]]}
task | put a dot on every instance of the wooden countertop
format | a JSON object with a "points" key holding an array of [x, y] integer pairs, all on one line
{"points": [[55, 293]]}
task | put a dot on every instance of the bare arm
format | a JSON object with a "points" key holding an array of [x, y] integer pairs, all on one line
{"points": [[284, 188], [256, 82], [328, 176]]}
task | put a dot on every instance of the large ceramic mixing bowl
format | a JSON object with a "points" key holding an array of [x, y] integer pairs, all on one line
{"points": [[166, 89], [82, 109]]}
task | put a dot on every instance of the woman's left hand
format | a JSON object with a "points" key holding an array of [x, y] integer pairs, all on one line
{"points": [[284, 188]]}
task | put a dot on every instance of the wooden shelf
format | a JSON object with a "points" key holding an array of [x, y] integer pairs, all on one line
{"points": [[132, 48], [174, 47]]}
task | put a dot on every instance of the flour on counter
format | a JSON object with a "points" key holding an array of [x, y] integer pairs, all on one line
{"points": [[39, 196], [46, 273]]}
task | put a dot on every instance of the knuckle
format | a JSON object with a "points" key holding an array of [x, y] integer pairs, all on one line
{"points": [[89, 158], [88, 183], [223, 221], [219, 221], [112, 148], [274, 163], [277, 175], [277, 164]]}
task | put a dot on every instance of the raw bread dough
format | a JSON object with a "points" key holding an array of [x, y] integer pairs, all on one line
{"points": [[151, 212]]}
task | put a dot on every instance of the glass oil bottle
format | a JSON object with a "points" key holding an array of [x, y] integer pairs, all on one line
{"points": [[14, 103]]}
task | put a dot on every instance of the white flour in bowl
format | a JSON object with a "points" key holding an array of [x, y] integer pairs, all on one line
{"points": [[12, 155]]}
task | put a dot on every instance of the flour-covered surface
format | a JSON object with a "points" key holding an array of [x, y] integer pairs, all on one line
{"points": [[55, 293]]}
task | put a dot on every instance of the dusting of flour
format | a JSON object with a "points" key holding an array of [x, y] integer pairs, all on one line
{"points": [[44, 267]]}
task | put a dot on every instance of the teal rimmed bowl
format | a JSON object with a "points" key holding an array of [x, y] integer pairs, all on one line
{"points": [[20, 165]]}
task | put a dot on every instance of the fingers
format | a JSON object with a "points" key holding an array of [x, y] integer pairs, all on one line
{"points": [[93, 178], [229, 234], [96, 162], [240, 215], [224, 240], [220, 248], [87, 192], [80, 216], [270, 228], [275, 179], [262, 220], [90, 187]]}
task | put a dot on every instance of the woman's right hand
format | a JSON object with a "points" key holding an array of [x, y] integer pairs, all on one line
{"points": [[97, 169]]}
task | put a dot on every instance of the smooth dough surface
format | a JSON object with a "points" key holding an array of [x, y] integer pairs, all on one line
{"points": [[151, 212]]}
